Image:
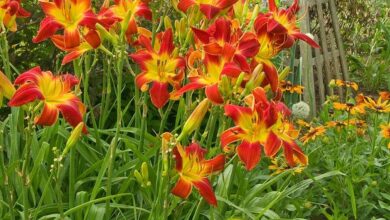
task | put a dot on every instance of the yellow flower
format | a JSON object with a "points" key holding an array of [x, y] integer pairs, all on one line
{"points": [[313, 133]]}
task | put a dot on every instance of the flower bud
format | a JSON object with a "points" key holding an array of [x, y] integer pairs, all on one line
{"points": [[73, 138], [6, 88], [195, 119], [145, 171], [167, 23]]}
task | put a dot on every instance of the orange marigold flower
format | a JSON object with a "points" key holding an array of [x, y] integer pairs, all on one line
{"points": [[55, 92], [68, 15], [385, 95], [160, 65], [378, 105], [385, 130], [194, 170], [261, 124], [7, 90], [313, 133], [9, 11], [287, 86], [210, 8]]}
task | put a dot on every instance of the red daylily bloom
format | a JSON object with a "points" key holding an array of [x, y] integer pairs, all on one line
{"points": [[9, 11], [68, 15], [221, 39], [122, 9], [277, 30], [210, 77], [54, 91], [159, 66], [210, 8], [283, 24], [194, 169], [91, 40], [259, 125]]}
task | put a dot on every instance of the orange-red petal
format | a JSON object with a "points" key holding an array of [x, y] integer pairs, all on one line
{"points": [[249, 154]]}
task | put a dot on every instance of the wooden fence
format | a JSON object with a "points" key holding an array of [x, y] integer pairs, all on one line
{"points": [[319, 66]]}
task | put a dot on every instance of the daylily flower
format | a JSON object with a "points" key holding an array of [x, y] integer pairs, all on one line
{"points": [[281, 24], [126, 12], [160, 66], [223, 39], [68, 15], [55, 93], [91, 40], [277, 30], [9, 11], [313, 133], [7, 90], [261, 124], [210, 8], [209, 77], [379, 105], [194, 170]]}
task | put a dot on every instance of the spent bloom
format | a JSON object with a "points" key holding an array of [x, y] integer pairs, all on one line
{"points": [[9, 11], [160, 65], [54, 92], [194, 170]]}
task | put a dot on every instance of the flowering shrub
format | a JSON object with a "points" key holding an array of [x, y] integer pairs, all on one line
{"points": [[170, 84]]}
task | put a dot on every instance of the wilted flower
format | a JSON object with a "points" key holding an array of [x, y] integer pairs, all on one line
{"points": [[301, 110], [194, 170], [160, 66], [55, 92]]}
